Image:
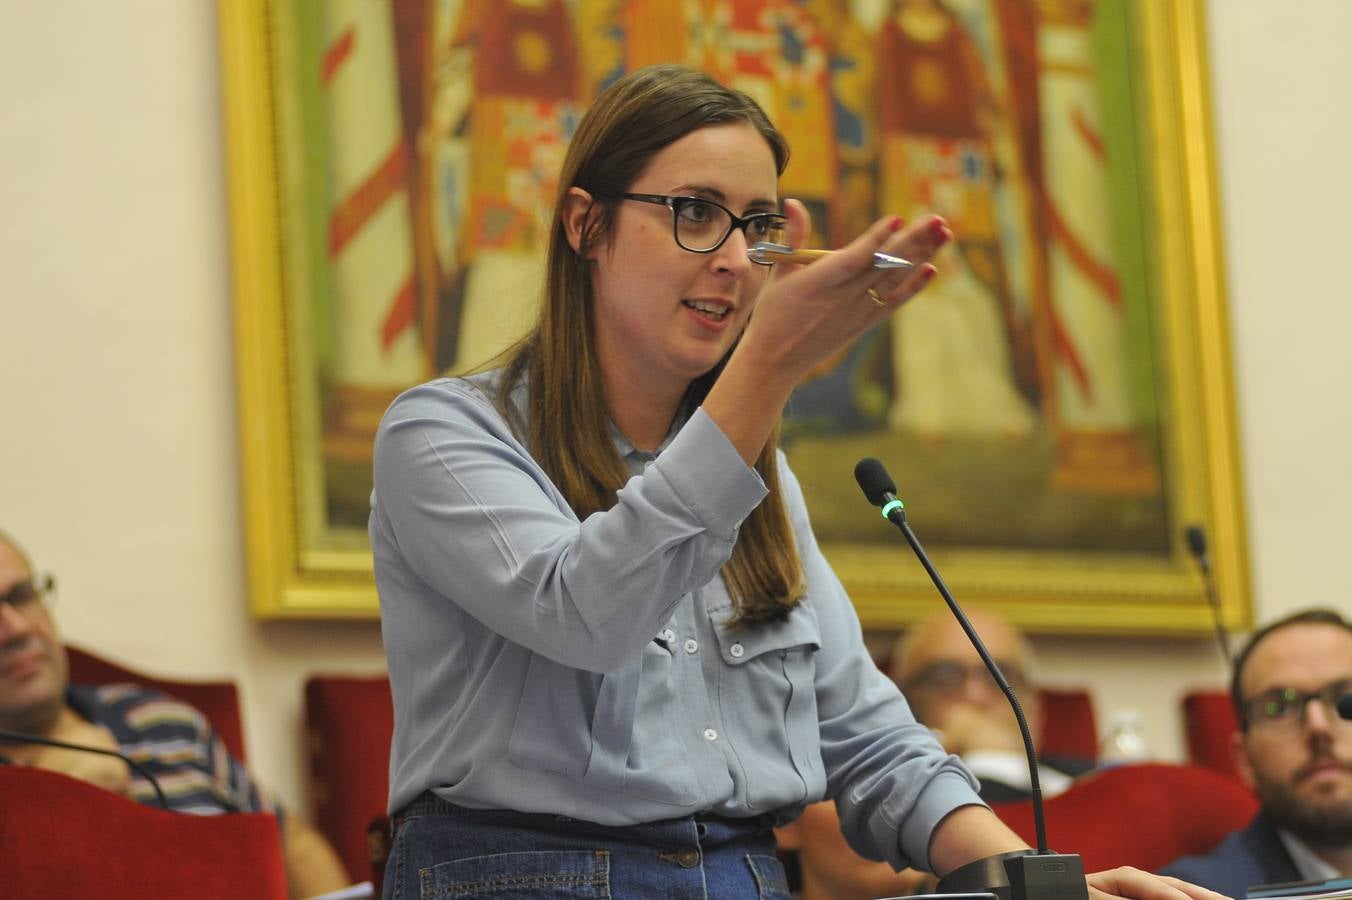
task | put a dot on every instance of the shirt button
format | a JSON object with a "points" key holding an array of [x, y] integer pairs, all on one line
{"points": [[737, 650], [691, 645], [668, 635], [710, 734], [687, 857]]}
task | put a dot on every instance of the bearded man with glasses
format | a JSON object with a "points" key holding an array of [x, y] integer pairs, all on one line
{"points": [[1295, 751]]}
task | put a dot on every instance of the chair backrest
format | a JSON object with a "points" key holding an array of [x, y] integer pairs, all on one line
{"points": [[217, 700], [349, 721], [1068, 725], [65, 838], [1140, 815], [1209, 721]]}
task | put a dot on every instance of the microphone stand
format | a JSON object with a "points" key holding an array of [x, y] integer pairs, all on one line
{"points": [[1034, 783], [1196, 540], [1037, 875]]}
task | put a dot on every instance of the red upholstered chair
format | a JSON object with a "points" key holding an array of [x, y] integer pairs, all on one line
{"points": [[66, 838], [1209, 721], [1141, 815], [217, 700], [349, 721], [1068, 725]]}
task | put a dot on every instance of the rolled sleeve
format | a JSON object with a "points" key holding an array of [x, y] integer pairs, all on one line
{"points": [[463, 505], [947, 791], [707, 473]]}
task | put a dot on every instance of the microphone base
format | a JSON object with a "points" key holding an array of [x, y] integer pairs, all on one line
{"points": [[1021, 875]]}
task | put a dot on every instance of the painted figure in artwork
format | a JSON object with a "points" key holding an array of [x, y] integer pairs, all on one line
{"points": [[951, 355]]}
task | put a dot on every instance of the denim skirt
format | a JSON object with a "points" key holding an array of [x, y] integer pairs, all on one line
{"points": [[444, 850]]}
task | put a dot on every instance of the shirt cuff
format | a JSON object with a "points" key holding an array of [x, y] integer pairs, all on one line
{"points": [[946, 792], [709, 475]]}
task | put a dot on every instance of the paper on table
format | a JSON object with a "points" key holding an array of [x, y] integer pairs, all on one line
{"points": [[976, 895], [359, 891], [1332, 889]]}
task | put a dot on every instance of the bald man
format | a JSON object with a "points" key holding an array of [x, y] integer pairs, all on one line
{"points": [[950, 690]]}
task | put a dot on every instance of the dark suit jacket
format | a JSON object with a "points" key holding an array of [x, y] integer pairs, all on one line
{"points": [[1251, 856]]}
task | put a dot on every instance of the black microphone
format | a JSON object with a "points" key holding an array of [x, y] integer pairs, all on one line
{"points": [[1042, 875], [1196, 539], [19, 737], [1345, 705]]}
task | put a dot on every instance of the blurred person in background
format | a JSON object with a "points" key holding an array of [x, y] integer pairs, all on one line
{"points": [[173, 741], [951, 691]]}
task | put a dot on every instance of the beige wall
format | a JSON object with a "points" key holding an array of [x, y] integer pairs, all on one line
{"points": [[118, 452]]}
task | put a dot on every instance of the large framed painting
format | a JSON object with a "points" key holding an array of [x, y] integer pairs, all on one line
{"points": [[1057, 407]]}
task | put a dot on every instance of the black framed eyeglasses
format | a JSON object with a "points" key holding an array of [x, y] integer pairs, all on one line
{"points": [[701, 226], [27, 594], [1284, 708]]}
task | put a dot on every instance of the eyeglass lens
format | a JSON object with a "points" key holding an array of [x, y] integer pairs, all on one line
{"points": [[26, 594], [1286, 706], [702, 225]]}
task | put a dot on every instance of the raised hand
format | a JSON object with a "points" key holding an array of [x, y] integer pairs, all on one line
{"points": [[809, 312]]}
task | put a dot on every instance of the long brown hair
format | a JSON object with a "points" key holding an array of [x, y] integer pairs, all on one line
{"points": [[567, 424]]}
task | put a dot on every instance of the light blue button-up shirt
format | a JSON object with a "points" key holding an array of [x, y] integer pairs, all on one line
{"points": [[586, 668]]}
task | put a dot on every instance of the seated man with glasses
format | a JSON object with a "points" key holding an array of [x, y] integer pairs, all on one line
{"points": [[1295, 752], [950, 691], [170, 740]]}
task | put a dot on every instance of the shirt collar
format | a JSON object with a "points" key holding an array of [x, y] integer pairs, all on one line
{"points": [[1309, 864], [636, 460], [1012, 769]]}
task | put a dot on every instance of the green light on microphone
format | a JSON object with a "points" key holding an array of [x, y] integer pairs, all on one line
{"points": [[890, 506]]}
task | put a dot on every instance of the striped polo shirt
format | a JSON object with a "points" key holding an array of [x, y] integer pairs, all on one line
{"points": [[177, 745]]}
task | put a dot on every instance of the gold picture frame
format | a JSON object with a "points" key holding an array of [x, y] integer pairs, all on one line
{"points": [[299, 567]]}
